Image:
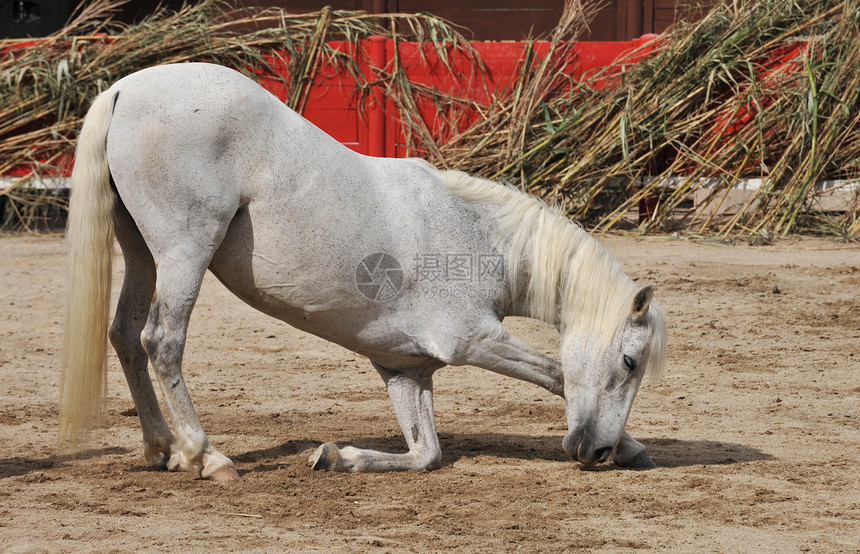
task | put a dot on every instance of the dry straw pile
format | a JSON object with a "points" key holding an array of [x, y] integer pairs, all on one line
{"points": [[47, 89], [758, 89], [762, 89]]}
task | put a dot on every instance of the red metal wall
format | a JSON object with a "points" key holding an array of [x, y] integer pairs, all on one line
{"points": [[371, 125]]}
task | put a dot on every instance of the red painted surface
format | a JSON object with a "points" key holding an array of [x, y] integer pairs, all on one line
{"points": [[785, 61], [369, 122]]}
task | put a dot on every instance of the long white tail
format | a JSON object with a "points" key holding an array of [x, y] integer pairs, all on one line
{"points": [[89, 234]]}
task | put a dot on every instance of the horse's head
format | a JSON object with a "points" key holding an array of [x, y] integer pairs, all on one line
{"points": [[601, 382]]}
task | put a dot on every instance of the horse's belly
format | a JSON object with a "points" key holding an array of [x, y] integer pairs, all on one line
{"points": [[269, 275], [294, 280]]}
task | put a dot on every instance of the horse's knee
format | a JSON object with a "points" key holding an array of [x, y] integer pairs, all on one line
{"points": [[150, 338], [434, 461], [428, 457], [163, 348], [117, 336], [126, 343]]}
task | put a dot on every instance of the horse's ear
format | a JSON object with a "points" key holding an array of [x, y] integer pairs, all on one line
{"points": [[641, 302]]}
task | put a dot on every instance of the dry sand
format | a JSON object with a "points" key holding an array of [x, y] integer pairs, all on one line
{"points": [[755, 427]]}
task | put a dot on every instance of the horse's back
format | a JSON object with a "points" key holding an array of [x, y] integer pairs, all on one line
{"points": [[206, 123]]}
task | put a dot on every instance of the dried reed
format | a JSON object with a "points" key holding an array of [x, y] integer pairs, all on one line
{"points": [[762, 89], [46, 89]]}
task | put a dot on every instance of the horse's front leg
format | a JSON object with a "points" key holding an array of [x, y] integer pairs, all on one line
{"points": [[163, 339], [495, 349], [411, 393], [631, 453]]}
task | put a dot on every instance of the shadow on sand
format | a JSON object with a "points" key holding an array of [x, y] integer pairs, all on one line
{"points": [[15, 466], [667, 453]]}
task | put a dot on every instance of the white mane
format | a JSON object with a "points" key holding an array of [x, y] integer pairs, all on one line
{"points": [[573, 281]]}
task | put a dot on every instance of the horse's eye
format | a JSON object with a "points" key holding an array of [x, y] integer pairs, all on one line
{"points": [[629, 363]]}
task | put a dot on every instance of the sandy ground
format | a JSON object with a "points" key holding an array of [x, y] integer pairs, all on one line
{"points": [[755, 428]]}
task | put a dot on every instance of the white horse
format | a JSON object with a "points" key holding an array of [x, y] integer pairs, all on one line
{"points": [[195, 166]]}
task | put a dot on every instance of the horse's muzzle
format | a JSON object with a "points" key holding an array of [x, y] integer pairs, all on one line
{"points": [[580, 448]]}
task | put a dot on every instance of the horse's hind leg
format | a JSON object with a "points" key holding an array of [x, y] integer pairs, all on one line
{"points": [[411, 393], [178, 282], [131, 313], [180, 250]]}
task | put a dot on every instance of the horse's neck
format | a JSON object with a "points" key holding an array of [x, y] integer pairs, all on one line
{"points": [[519, 285], [542, 246], [547, 264], [519, 303]]}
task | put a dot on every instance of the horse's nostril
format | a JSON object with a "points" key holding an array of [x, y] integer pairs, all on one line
{"points": [[602, 454]]}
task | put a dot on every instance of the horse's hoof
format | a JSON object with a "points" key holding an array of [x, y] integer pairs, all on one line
{"points": [[325, 457], [174, 462], [225, 474], [159, 460], [639, 461]]}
